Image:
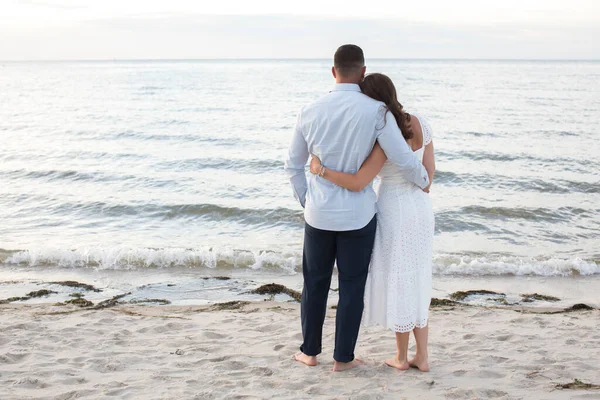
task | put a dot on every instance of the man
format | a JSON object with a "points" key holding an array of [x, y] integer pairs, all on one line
{"points": [[341, 128]]}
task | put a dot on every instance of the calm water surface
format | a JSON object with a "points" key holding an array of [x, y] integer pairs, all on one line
{"points": [[179, 164]]}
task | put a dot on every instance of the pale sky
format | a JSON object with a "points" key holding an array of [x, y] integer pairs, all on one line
{"points": [[139, 29]]}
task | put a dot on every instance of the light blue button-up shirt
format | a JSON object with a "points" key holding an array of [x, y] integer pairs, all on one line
{"points": [[341, 129]]}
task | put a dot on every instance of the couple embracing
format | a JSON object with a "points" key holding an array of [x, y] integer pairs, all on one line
{"points": [[380, 240]]}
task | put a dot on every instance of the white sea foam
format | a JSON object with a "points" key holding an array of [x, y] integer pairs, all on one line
{"points": [[510, 265], [226, 258], [134, 258]]}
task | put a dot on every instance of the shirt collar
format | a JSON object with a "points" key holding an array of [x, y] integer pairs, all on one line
{"points": [[346, 87]]}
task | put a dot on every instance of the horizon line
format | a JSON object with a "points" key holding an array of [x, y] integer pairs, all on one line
{"points": [[288, 59]]}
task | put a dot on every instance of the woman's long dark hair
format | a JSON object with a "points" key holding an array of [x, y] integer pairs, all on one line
{"points": [[380, 87]]}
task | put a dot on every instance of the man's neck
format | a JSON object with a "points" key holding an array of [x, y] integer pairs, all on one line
{"points": [[347, 81]]}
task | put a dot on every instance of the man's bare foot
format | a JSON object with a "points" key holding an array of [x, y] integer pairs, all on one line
{"points": [[340, 366], [311, 361], [396, 363], [420, 363]]}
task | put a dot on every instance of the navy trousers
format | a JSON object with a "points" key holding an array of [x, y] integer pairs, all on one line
{"points": [[352, 251]]}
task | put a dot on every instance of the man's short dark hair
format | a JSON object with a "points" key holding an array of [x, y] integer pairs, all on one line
{"points": [[348, 59]]}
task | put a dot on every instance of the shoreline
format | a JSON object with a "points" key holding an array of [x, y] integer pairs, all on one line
{"points": [[168, 352], [185, 287]]}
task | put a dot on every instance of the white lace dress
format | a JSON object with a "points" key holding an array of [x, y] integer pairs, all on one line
{"points": [[398, 289]]}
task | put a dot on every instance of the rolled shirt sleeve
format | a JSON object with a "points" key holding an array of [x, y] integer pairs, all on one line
{"points": [[296, 161], [399, 152]]}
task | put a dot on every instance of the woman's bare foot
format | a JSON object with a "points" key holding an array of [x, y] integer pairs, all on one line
{"points": [[420, 363], [340, 366], [397, 363], [311, 361]]}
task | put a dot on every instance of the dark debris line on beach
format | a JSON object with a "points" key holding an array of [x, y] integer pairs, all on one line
{"points": [[78, 301], [230, 305], [272, 289], [435, 302], [578, 385], [156, 301], [463, 295], [46, 292], [275, 288], [579, 307], [75, 284], [31, 295], [528, 298]]}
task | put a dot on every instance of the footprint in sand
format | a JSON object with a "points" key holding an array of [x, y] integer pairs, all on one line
{"points": [[212, 335], [490, 374], [456, 393], [73, 381], [219, 359], [278, 347], [492, 394], [495, 360], [31, 383], [234, 365], [73, 394], [262, 371], [12, 358]]}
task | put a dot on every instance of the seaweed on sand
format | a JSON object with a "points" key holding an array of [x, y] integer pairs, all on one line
{"points": [[80, 301], [579, 307], [463, 295], [275, 288], [577, 384], [573, 308], [30, 295], [435, 302], [110, 302], [159, 301], [528, 298], [40, 293], [500, 300], [75, 284], [11, 299], [230, 305]]}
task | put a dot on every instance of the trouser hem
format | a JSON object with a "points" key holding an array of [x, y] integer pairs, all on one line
{"points": [[310, 353]]}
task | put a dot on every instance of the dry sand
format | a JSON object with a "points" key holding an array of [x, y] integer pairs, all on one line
{"points": [[168, 352]]}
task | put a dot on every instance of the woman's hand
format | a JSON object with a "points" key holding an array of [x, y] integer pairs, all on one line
{"points": [[315, 165]]}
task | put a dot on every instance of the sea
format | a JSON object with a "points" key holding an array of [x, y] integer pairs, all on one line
{"points": [[150, 176]]}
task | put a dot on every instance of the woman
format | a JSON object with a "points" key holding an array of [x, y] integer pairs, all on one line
{"points": [[398, 290]]}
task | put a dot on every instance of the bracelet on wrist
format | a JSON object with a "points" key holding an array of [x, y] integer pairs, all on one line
{"points": [[322, 171]]}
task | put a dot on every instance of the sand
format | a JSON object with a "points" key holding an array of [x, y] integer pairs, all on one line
{"points": [[170, 352]]}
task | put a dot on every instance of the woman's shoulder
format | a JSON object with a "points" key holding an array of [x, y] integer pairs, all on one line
{"points": [[422, 126]]}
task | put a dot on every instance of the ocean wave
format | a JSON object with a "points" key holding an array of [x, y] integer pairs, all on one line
{"points": [[177, 138], [135, 258], [271, 217], [509, 157], [560, 186], [512, 265], [91, 176], [195, 164], [534, 214], [121, 258]]}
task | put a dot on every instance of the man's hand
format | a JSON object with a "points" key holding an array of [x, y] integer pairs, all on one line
{"points": [[315, 165]]}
